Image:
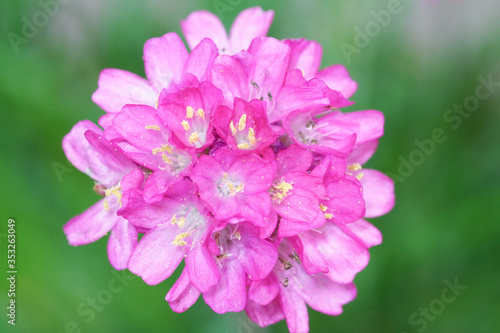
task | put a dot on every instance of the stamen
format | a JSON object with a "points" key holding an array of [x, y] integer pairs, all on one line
{"points": [[201, 113], [354, 167], [152, 127], [185, 124], [189, 112], [280, 191], [116, 191], [251, 135], [193, 138], [360, 175], [242, 122], [162, 149], [323, 207], [328, 215], [231, 126]]}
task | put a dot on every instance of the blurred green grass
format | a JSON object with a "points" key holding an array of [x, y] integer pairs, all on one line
{"points": [[445, 223]]}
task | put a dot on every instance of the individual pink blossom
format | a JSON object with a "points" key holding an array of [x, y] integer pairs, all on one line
{"points": [[235, 186], [166, 61], [115, 175]]}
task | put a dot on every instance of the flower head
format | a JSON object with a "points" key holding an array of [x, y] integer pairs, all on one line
{"points": [[237, 158]]}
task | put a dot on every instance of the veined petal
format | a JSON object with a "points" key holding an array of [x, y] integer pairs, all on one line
{"points": [[378, 192], [155, 258], [337, 78], [203, 24], [91, 225], [117, 88], [202, 269], [249, 24], [121, 244], [265, 315], [200, 58], [164, 59], [230, 294], [183, 293], [305, 55]]}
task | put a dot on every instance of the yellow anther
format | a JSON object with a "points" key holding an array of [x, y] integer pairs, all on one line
{"points": [[152, 127], [360, 175], [179, 239], [323, 207], [189, 112], [242, 122], [328, 215], [244, 146], [165, 158], [185, 124], [200, 113], [231, 126], [193, 138], [354, 167], [162, 149], [180, 222], [237, 235], [251, 136], [116, 191], [281, 191], [105, 204]]}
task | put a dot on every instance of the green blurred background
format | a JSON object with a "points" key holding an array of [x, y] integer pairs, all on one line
{"points": [[445, 225]]}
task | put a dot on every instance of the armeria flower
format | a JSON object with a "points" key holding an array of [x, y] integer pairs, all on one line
{"points": [[235, 186], [115, 175], [250, 23], [166, 61], [238, 159], [296, 289]]}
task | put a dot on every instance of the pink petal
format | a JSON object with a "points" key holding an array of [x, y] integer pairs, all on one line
{"points": [[363, 232], [343, 255], [337, 78], [371, 124], [249, 24], [202, 269], [306, 56], [345, 200], [122, 242], [264, 291], [155, 258], [183, 294], [76, 147], [269, 67], [200, 59], [293, 159], [295, 311], [378, 192], [324, 295], [107, 165], [230, 293], [258, 257], [117, 88], [265, 315], [363, 152], [139, 125], [91, 225], [164, 59], [202, 24]]}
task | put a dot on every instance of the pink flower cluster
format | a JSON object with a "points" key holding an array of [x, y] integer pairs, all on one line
{"points": [[236, 158]]}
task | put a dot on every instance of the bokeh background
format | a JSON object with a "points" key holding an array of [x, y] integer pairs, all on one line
{"points": [[445, 226]]}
